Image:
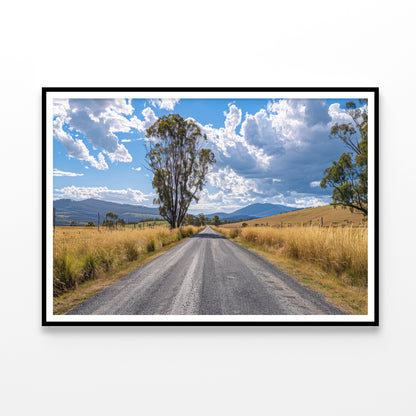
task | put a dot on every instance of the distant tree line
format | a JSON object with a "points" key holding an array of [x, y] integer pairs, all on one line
{"points": [[201, 220], [112, 220]]}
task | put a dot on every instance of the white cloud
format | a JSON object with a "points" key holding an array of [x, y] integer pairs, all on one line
{"points": [[127, 196], [233, 185], [278, 149], [76, 147], [298, 199], [259, 130], [232, 149], [138, 169], [209, 203], [305, 200], [165, 103], [232, 119], [60, 108], [57, 172], [101, 165], [286, 130], [149, 119], [338, 115], [98, 120], [125, 140], [98, 124]]}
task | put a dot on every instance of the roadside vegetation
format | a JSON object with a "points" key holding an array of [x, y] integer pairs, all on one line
{"points": [[331, 260], [84, 254]]}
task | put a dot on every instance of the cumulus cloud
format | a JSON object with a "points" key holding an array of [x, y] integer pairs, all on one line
{"points": [[60, 108], [138, 169], [98, 120], [127, 196], [231, 148], [233, 185], [149, 119], [263, 157], [76, 147], [271, 141], [57, 172], [316, 113], [339, 115], [259, 131], [215, 202], [165, 103]]}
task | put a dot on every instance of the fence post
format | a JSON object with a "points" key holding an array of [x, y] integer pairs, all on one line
{"points": [[322, 221], [98, 221], [310, 223], [54, 218]]}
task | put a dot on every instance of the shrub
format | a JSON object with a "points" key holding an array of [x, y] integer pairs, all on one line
{"points": [[186, 231], [132, 252], [89, 269], [234, 233], [106, 258], [64, 274], [150, 246]]}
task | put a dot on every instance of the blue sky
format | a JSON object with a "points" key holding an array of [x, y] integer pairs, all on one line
{"points": [[266, 150]]}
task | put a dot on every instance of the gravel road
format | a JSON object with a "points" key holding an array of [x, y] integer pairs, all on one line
{"points": [[207, 275]]}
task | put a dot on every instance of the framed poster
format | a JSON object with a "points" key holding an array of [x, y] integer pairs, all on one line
{"points": [[210, 206]]}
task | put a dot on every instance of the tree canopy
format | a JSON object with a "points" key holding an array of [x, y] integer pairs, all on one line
{"points": [[216, 220], [349, 175], [179, 162], [108, 220]]}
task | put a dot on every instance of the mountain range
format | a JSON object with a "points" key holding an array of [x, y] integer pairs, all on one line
{"points": [[68, 210], [87, 210], [253, 211]]}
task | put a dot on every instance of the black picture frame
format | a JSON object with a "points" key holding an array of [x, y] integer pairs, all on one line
{"points": [[46, 321]]}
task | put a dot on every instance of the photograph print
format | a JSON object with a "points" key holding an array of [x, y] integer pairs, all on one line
{"points": [[210, 206]]}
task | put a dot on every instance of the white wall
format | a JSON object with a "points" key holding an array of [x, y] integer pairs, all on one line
{"points": [[204, 371]]}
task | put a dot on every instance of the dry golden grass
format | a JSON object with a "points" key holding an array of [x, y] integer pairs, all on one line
{"points": [[81, 254], [332, 260], [72, 298], [331, 216]]}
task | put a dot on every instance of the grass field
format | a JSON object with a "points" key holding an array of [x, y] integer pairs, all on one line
{"points": [[331, 217], [82, 254], [331, 260]]}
